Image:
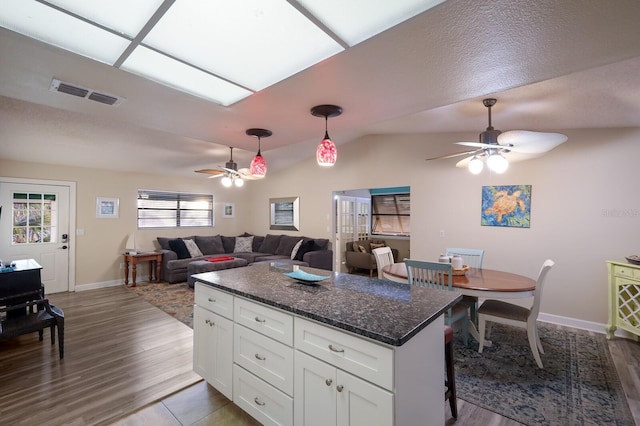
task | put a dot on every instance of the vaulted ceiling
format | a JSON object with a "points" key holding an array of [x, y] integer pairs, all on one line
{"points": [[551, 64]]}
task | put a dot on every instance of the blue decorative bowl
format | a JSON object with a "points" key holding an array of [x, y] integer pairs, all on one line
{"points": [[305, 277]]}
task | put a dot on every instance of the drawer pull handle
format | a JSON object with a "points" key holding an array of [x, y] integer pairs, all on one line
{"points": [[260, 357], [257, 401], [211, 300], [260, 320], [339, 388], [335, 350], [328, 382]]}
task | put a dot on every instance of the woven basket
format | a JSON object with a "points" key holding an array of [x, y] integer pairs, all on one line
{"points": [[462, 271]]}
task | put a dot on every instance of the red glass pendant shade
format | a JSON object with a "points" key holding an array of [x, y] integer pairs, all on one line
{"points": [[258, 166], [326, 154]]}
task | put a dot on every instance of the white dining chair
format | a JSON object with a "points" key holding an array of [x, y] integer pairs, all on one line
{"points": [[473, 259], [507, 313], [384, 257], [439, 275]]}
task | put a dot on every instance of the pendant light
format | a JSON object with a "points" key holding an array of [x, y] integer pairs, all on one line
{"points": [[258, 167], [326, 154]]}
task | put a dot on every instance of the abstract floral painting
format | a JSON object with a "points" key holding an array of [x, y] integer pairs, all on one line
{"points": [[506, 205]]}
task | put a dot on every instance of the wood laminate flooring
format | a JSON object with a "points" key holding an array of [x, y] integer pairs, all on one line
{"points": [[104, 329]]}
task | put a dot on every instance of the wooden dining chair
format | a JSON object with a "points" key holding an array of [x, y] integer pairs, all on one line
{"points": [[439, 275], [507, 313], [384, 257], [472, 258]]}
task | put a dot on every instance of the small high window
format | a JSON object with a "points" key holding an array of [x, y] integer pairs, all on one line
{"points": [[391, 214]]}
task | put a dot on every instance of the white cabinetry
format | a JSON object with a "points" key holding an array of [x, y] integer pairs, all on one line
{"points": [[325, 395], [213, 349]]}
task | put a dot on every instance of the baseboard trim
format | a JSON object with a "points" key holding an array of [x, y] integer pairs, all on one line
{"points": [[594, 327], [105, 284]]}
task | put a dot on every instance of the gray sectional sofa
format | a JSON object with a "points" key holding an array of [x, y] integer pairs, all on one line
{"points": [[313, 252]]}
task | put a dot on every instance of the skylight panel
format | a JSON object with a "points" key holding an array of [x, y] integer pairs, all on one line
{"points": [[124, 16], [255, 43], [165, 70], [50, 26], [357, 20]]}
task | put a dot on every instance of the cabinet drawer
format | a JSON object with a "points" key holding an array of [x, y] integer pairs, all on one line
{"points": [[363, 358], [270, 360], [627, 272], [214, 300], [264, 402], [270, 322]]}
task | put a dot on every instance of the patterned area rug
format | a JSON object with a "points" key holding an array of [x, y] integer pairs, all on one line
{"points": [[174, 299], [578, 385]]}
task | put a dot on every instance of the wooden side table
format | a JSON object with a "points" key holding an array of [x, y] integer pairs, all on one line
{"points": [[133, 259]]}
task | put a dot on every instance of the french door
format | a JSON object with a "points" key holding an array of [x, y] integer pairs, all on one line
{"points": [[353, 222]]}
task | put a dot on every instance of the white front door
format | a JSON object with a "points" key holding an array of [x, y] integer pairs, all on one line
{"points": [[34, 224]]}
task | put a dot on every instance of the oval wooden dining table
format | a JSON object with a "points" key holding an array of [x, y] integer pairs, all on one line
{"points": [[483, 283]]}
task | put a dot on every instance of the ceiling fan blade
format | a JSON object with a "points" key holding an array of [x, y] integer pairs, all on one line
{"points": [[457, 154], [528, 142], [246, 174], [215, 176], [211, 171]]}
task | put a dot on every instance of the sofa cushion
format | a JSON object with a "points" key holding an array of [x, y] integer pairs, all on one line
{"points": [[228, 243], [192, 247], [321, 243], [210, 244], [359, 247], [164, 242], [243, 245], [177, 245], [286, 245], [270, 243]]}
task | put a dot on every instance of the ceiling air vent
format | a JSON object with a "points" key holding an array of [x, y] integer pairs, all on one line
{"points": [[81, 92]]}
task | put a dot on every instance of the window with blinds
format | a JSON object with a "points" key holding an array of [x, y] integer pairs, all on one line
{"points": [[391, 214], [165, 209]]}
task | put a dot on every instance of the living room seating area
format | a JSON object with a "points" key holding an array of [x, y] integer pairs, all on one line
{"points": [[178, 253]]}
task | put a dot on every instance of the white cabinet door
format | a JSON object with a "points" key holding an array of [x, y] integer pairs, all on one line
{"points": [[361, 403], [314, 392], [213, 349]]}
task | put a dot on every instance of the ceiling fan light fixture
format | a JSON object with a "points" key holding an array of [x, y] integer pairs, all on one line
{"points": [[475, 165], [258, 167], [326, 153], [238, 182], [497, 163], [226, 181]]}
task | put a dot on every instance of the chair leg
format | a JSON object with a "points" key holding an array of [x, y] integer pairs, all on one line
{"points": [[465, 332], [451, 380], [481, 329], [531, 334], [52, 329], [61, 337]]}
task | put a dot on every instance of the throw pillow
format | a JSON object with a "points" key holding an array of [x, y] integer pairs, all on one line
{"points": [[306, 247], [286, 245], [243, 245], [228, 243], [180, 248], [192, 247], [362, 249], [164, 242], [376, 245], [294, 252]]}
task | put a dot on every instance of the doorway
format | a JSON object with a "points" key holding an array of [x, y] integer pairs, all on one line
{"points": [[37, 221]]}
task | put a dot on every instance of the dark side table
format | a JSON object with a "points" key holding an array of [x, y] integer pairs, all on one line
{"points": [[133, 259]]}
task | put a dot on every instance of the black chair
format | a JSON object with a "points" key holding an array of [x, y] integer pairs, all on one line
{"points": [[29, 312]]}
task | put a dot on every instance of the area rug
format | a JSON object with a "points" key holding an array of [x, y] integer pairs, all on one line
{"points": [[578, 385], [174, 299]]}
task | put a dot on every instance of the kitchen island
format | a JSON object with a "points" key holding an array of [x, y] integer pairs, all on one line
{"points": [[346, 350]]}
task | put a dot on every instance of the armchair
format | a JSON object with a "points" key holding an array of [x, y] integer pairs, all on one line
{"points": [[358, 255]]}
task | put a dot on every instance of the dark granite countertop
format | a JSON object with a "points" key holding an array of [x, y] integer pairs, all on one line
{"points": [[385, 311]]}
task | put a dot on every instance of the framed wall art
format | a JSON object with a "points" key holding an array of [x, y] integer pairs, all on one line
{"points": [[107, 208], [284, 213], [228, 210], [506, 205]]}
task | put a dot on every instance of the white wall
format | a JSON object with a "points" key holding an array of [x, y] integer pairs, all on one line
{"points": [[585, 208]]}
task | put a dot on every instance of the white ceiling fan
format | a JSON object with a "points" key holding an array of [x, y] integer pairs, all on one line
{"points": [[230, 173], [499, 148]]}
